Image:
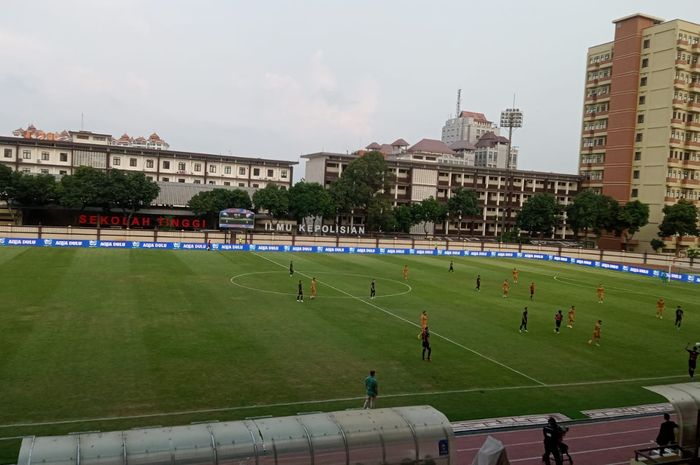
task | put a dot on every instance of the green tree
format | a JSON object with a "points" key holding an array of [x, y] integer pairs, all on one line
{"points": [[403, 218], [274, 200], [86, 187], [309, 200], [131, 191], [463, 203], [35, 190], [540, 215], [582, 213], [630, 219], [8, 183], [680, 219], [429, 211], [656, 244], [606, 219], [210, 203], [380, 216]]}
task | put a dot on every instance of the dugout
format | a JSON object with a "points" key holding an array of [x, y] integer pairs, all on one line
{"points": [[419, 435]]}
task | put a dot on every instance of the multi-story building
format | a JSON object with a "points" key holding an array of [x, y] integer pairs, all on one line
{"points": [[468, 126], [491, 151], [58, 158], [152, 142], [501, 192], [640, 135]]}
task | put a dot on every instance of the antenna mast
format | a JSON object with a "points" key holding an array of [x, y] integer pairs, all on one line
{"points": [[459, 102]]}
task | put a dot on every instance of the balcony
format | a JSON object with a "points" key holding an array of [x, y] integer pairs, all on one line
{"points": [[680, 83], [683, 44], [674, 161], [673, 181], [690, 182], [695, 85]]}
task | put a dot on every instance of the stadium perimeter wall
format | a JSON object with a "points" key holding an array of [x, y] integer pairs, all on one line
{"points": [[682, 269]]}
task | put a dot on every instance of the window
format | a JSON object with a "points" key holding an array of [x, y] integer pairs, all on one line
{"points": [[198, 167], [116, 161], [637, 156], [241, 171], [133, 162], [181, 166], [166, 179], [270, 173], [62, 172], [642, 99], [643, 81], [256, 171], [212, 169], [197, 181], [638, 137], [26, 170], [640, 118], [646, 43], [241, 184], [63, 156], [166, 165], [255, 186], [284, 174], [227, 183], [645, 62], [26, 154], [635, 174], [44, 171], [8, 153], [45, 156], [212, 182], [181, 180], [635, 192], [149, 163], [227, 170]]}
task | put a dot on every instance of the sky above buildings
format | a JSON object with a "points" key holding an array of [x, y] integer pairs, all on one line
{"points": [[279, 79]]}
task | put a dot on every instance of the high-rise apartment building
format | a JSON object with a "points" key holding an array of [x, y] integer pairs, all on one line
{"points": [[640, 136]]}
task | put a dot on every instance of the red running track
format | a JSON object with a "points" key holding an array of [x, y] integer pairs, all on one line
{"points": [[611, 442]]}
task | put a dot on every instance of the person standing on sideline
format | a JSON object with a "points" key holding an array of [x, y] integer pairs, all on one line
{"points": [[679, 318], [209, 245], [692, 359], [506, 288], [425, 341], [571, 317], [372, 290], [405, 272], [523, 321], [313, 288], [601, 293], [532, 290], [558, 317], [300, 293], [478, 283], [596, 333], [667, 433], [660, 307], [372, 389], [552, 437], [291, 268], [452, 267]]}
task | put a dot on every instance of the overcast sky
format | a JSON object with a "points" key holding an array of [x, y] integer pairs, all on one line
{"points": [[279, 79]]}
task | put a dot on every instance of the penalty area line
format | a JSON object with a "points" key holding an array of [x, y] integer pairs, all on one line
{"points": [[327, 401], [486, 357]]}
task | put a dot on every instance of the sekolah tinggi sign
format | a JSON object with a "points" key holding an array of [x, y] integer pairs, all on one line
{"points": [[142, 221]]}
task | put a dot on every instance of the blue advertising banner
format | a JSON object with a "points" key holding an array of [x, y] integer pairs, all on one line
{"points": [[27, 242]]}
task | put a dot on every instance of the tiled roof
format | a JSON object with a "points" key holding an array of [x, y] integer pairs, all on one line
{"points": [[462, 145], [373, 146], [431, 146], [399, 143], [476, 116], [490, 140]]}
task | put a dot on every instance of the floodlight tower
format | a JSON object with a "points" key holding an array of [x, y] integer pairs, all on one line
{"points": [[511, 118]]}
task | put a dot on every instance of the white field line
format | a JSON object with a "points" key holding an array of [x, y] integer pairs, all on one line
{"points": [[413, 324], [325, 401], [569, 439]]}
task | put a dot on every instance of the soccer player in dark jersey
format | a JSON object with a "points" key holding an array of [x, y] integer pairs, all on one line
{"points": [[425, 342], [452, 267], [291, 268], [692, 359], [558, 317], [679, 318], [300, 293], [523, 321], [478, 282], [372, 290]]}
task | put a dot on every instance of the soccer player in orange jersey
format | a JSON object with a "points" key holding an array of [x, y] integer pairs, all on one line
{"points": [[313, 288], [516, 275], [506, 288], [660, 306], [532, 290], [423, 322], [571, 317], [601, 293], [405, 272], [596, 334]]}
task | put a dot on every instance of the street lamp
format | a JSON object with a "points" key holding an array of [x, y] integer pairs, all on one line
{"points": [[511, 118]]}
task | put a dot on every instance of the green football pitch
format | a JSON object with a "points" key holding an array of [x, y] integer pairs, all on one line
{"points": [[112, 339]]}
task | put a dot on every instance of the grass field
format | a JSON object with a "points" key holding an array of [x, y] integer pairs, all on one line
{"points": [[110, 339]]}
